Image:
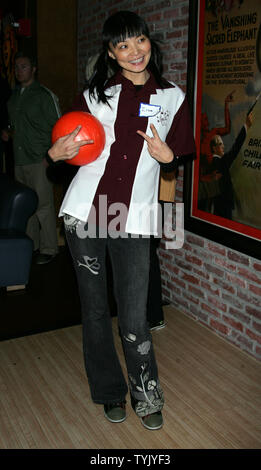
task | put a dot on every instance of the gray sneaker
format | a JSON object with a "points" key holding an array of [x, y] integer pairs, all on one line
{"points": [[115, 412], [157, 326], [153, 421], [43, 258]]}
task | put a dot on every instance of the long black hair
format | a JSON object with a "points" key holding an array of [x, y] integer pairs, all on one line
{"points": [[117, 28]]}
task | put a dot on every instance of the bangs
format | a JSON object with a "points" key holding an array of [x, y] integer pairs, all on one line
{"points": [[123, 25]]}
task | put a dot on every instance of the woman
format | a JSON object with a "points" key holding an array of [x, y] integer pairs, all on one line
{"points": [[146, 121]]}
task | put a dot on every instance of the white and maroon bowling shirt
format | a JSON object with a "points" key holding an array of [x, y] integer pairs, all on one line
{"points": [[125, 172]]}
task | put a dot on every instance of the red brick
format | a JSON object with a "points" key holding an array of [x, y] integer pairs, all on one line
{"points": [[256, 290], [162, 26], [164, 254], [182, 303], [197, 292], [245, 342], [171, 13], [219, 326], [178, 66], [171, 268], [198, 314], [249, 275], [253, 335], [238, 258], [249, 298], [138, 2], [209, 288], [257, 266], [201, 273], [184, 10], [193, 260], [190, 278], [186, 247], [233, 323], [179, 22], [174, 34], [232, 300], [165, 292], [181, 264], [223, 262], [236, 280], [219, 305], [224, 285], [213, 269], [193, 240], [191, 298], [241, 316], [178, 282], [163, 4], [257, 326], [173, 288], [154, 17], [216, 249], [210, 310], [179, 45]]}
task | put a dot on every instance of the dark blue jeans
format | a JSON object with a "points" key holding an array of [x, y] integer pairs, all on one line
{"points": [[130, 265]]}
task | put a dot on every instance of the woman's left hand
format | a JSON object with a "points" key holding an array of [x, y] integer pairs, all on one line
{"points": [[157, 149]]}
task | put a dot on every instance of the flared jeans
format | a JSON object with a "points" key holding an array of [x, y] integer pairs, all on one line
{"points": [[130, 259]]}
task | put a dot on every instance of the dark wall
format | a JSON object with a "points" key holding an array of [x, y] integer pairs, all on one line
{"points": [[57, 47], [53, 41]]}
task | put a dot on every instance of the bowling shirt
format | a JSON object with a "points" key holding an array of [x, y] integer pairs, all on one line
{"points": [[125, 175]]}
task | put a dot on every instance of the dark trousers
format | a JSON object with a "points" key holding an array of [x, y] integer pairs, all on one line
{"points": [[130, 259], [155, 312]]}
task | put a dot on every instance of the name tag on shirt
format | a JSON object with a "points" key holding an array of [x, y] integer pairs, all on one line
{"points": [[148, 110]]}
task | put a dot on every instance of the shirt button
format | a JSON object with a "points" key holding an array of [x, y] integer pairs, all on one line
{"points": [[125, 157], [119, 179]]}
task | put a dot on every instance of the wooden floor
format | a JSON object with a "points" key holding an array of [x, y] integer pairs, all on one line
{"points": [[212, 392]]}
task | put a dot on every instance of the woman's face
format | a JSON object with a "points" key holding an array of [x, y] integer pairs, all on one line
{"points": [[133, 56]]}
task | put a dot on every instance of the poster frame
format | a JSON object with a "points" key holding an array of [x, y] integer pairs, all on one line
{"points": [[213, 228]]}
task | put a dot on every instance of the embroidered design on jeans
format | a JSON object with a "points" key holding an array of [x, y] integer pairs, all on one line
{"points": [[70, 223], [91, 264], [144, 347]]}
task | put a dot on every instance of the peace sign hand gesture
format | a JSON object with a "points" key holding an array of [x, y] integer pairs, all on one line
{"points": [[66, 147], [157, 149]]}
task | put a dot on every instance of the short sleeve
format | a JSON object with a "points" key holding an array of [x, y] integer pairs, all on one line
{"points": [[180, 136]]}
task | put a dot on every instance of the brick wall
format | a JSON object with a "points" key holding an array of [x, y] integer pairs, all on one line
{"points": [[214, 285], [218, 287]]}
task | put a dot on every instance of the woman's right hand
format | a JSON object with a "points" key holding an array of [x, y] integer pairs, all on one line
{"points": [[66, 147]]}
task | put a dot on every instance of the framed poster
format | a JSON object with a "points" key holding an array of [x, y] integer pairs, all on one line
{"points": [[222, 186]]}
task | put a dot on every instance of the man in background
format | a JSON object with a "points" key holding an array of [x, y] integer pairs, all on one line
{"points": [[33, 110]]}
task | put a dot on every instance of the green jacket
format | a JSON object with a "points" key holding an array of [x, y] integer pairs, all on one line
{"points": [[32, 115]]}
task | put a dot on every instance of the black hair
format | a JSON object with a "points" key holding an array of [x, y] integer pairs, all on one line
{"points": [[117, 28]]}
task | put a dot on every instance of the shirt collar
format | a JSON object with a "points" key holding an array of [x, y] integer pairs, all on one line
{"points": [[34, 84], [119, 79]]}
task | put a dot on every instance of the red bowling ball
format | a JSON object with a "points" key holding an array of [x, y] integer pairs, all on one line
{"points": [[91, 129]]}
